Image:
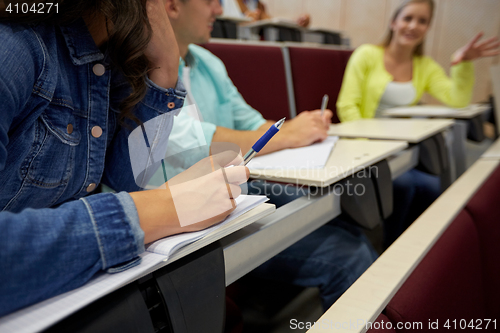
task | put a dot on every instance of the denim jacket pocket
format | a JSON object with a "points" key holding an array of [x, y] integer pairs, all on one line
{"points": [[47, 168]]}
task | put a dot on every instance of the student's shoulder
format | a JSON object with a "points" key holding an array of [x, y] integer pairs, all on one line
{"points": [[369, 50], [21, 47], [205, 56]]}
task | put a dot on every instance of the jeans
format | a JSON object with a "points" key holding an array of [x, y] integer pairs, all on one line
{"points": [[413, 192], [330, 258]]}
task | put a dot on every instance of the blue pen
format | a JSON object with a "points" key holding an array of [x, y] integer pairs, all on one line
{"points": [[263, 141]]}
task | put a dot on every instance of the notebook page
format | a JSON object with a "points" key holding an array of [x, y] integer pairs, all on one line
{"points": [[311, 157], [169, 245], [46, 313]]}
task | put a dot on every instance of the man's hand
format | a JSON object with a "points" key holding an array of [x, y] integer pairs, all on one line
{"points": [[307, 128]]}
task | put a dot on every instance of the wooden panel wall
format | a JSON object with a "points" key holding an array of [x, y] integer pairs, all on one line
{"points": [[366, 21]]}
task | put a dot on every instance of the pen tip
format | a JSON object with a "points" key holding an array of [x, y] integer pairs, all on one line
{"points": [[280, 122]]}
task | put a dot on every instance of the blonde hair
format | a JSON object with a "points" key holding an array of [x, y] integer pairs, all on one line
{"points": [[419, 50]]}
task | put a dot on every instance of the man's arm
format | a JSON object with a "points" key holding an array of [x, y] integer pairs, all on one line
{"points": [[308, 127]]}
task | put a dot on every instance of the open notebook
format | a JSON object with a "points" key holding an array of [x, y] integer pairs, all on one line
{"points": [[167, 246], [39, 316]]}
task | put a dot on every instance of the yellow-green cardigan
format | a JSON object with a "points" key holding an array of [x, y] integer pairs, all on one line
{"points": [[365, 80]]}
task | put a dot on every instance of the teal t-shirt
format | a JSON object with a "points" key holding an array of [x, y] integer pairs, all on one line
{"points": [[218, 103]]}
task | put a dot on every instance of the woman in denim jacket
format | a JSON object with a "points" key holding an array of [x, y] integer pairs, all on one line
{"points": [[72, 87]]}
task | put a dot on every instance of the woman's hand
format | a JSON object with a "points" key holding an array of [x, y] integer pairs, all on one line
{"points": [[205, 201], [475, 50], [162, 51], [196, 199]]}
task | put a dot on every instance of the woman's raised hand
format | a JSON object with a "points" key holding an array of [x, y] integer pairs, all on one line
{"points": [[475, 49]]}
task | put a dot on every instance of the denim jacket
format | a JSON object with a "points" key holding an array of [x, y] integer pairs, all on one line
{"points": [[59, 138]]}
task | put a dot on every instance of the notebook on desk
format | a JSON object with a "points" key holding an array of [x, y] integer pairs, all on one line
{"points": [[42, 315], [314, 156], [169, 245]]}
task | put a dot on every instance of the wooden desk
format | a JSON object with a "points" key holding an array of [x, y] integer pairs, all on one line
{"points": [[346, 158], [437, 111], [413, 131], [493, 152], [276, 30]]}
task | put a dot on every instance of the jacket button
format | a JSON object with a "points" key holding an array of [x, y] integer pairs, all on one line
{"points": [[98, 69], [69, 128], [171, 105], [91, 187], [96, 131]]}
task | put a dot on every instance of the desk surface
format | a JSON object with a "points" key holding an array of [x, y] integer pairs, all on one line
{"points": [[493, 151], [437, 111], [347, 157], [234, 19], [411, 130], [275, 22]]}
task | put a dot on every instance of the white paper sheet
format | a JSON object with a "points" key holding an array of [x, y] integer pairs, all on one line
{"points": [[311, 157]]}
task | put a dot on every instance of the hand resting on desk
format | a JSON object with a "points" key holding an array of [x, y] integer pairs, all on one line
{"points": [[307, 128]]}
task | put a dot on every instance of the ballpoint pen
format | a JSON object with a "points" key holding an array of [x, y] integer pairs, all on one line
{"points": [[263, 141], [324, 103]]}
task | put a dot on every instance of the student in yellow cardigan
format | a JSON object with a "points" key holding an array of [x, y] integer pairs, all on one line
{"points": [[396, 73]]}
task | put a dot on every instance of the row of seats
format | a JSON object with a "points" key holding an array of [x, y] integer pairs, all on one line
{"points": [[442, 274], [459, 278], [280, 80]]}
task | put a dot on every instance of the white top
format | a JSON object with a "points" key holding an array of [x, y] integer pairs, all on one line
{"points": [[396, 94]]}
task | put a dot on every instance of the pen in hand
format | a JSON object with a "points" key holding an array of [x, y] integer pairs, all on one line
{"points": [[324, 103], [263, 141]]}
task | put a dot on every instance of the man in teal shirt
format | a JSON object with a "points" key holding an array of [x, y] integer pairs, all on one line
{"points": [[330, 258]]}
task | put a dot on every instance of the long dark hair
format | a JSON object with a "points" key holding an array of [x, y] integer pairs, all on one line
{"points": [[128, 38], [419, 50]]}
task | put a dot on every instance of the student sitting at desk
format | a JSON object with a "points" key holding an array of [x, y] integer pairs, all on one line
{"points": [[396, 73], [68, 84], [331, 257]]}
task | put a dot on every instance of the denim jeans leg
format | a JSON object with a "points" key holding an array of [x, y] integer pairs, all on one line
{"points": [[330, 258], [413, 192]]}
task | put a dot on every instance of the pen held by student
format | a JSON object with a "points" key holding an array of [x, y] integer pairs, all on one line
{"points": [[263, 141], [324, 104]]}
